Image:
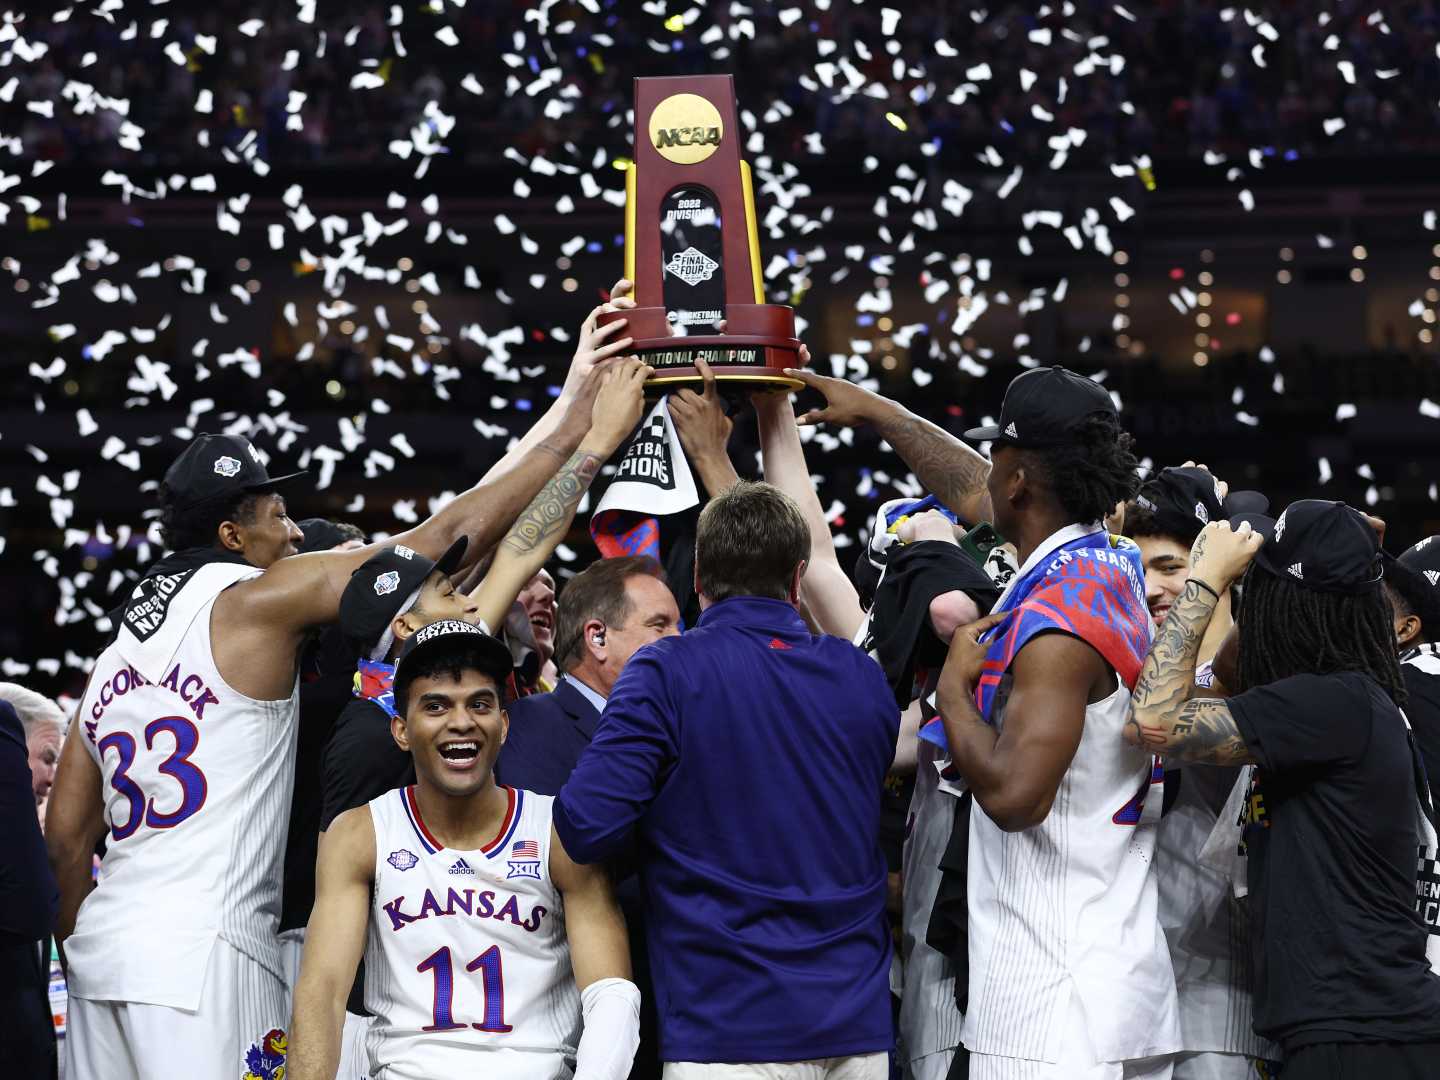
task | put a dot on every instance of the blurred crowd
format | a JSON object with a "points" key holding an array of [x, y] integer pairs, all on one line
{"points": [[1173, 78]]}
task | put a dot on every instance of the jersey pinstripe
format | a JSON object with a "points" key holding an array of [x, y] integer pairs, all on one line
{"points": [[1206, 926], [1068, 907], [466, 950], [197, 784], [929, 1019]]}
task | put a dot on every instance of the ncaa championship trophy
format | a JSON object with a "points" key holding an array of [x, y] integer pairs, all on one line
{"points": [[691, 245]]}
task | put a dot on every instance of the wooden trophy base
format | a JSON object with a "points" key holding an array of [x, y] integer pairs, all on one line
{"points": [[758, 344]]}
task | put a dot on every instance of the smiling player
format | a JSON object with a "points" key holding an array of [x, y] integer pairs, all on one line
{"points": [[479, 934]]}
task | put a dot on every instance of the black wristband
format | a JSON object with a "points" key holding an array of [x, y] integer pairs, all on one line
{"points": [[1207, 588]]}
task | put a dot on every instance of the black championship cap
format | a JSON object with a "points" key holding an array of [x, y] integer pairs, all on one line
{"points": [[486, 653], [1326, 546], [1415, 574], [1184, 500], [218, 467], [1043, 406], [386, 585], [321, 534]]}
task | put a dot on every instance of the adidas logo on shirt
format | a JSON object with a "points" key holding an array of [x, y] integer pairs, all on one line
{"points": [[460, 866], [1010, 430], [1297, 571]]}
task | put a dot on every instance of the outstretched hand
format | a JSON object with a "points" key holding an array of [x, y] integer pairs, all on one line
{"points": [[598, 344], [846, 404], [700, 419], [619, 403]]}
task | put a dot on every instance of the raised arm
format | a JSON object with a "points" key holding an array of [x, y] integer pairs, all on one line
{"points": [[74, 823], [1165, 716], [826, 588], [334, 944], [704, 432], [542, 526], [942, 463], [596, 348], [600, 955]]}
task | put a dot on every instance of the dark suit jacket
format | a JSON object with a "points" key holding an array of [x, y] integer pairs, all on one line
{"points": [[28, 899], [548, 733]]}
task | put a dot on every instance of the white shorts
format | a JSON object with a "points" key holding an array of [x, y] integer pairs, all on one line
{"points": [[239, 1029], [854, 1067]]}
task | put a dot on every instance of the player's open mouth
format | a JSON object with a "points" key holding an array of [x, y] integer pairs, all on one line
{"points": [[460, 755], [542, 621], [1158, 613]]}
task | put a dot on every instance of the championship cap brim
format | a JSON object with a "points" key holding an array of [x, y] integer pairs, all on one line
{"points": [[447, 562], [489, 653], [274, 482], [988, 433]]}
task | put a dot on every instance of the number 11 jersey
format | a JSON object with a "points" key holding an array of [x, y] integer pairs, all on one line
{"points": [[467, 949]]}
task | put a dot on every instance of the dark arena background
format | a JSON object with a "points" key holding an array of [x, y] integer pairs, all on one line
{"points": [[365, 235]]}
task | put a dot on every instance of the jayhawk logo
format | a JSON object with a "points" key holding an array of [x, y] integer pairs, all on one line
{"points": [[265, 1060]]}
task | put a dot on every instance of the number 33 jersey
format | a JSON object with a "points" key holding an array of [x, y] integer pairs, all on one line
{"points": [[196, 781], [467, 949]]}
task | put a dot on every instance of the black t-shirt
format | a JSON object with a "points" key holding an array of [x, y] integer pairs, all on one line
{"points": [[361, 761], [1339, 953]]}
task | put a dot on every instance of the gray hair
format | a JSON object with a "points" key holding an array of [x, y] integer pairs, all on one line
{"points": [[33, 709]]}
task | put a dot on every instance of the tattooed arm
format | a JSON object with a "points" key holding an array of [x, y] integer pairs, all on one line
{"points": [[543, 524], [1164, 716], [943, 464]]}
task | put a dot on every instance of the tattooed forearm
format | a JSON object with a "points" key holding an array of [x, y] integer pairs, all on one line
{"points": [[553, 508], [1203, 731], [943, 464], [1163, 717]]}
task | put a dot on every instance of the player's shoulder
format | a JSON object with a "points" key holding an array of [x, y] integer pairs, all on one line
{"points": [[357, 823]]}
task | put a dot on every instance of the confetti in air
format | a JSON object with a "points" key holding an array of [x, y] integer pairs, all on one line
{"points": [[327, 228]]}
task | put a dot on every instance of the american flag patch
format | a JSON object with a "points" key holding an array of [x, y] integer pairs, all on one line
{"points": [[525, 849]]}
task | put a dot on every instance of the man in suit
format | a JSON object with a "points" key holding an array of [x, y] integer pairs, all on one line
{"points": [[606, 613]]}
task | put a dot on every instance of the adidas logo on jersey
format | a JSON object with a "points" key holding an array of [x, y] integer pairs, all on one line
{"points": [[460, 866], [1010, 431], [1296, 570]]}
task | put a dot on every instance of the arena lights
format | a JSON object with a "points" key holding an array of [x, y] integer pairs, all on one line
{"points": [[420, 307], [1358, 251], [1121, 258], [1207, 256], [1206, 278], [1287, 254], [1201, 359], [1356, 274], [569, 284], [405, 263], [1283, 277]]}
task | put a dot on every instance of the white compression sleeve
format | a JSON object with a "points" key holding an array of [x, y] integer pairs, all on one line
{"points": [[611, 1008]]}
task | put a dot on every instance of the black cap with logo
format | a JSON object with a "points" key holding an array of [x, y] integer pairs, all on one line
{"points": [[1415, 574], [219, 467], [488, 654], [1042, 407], [385, 586], [1321, 545], [1185, 499]]}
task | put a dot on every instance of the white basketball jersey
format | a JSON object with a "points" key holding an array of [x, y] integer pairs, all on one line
{"points": [[467, 950], [197, 780], [1069, 907]]}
